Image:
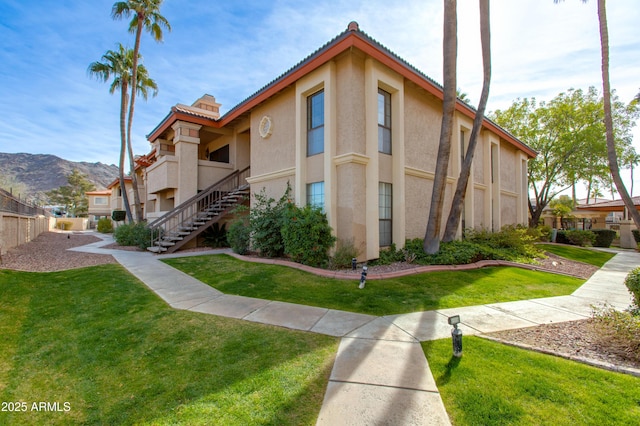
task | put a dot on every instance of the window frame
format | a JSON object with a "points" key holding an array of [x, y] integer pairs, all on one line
{"points": [[315, 191], [384, 122], [315, 130], [385, 213]]}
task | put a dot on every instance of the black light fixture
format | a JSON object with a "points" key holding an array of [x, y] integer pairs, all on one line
{"points": [[456, 335], [354, 263]]}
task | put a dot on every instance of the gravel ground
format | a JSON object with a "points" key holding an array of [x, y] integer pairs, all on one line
{"points": [[575, 339], [48, 252]]}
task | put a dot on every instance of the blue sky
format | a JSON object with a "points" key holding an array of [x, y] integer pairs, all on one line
{"points": [[230, 49]]}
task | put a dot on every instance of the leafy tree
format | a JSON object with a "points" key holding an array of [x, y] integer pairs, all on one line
{"points": [[453, 220], [463, 96], [73, 196], [431, 243], [569, 135], [118, 65], [146, 16], [562, 207]]}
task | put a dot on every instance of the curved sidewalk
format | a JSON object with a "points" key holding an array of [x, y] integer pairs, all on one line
{"points": [[380, 375]]}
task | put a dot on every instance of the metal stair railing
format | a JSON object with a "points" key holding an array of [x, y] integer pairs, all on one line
{"points": [[188, 215]]}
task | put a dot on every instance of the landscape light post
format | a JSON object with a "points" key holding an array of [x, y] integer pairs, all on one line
{"points": [[363, 277], [456, 335]]}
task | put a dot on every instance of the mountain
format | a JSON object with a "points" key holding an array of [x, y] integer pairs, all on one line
{"points": [[39, 173]]}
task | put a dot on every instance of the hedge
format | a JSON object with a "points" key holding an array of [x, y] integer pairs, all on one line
{"points": [[604, 237]]}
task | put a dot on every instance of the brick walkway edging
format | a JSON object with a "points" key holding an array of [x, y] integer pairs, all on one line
{"points": [[395, 274]]}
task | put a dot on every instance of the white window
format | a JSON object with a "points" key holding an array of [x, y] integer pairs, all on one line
{"points": [[315, 194], [100, 201]]}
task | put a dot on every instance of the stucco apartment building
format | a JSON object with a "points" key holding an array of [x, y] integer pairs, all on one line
{"points": [[352, 128]]}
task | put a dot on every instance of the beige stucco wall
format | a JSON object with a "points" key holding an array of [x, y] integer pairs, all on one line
{"points": [[163, 174], [17, 229], [77, 223], [277, 152], [351, 166], [210, 172]]}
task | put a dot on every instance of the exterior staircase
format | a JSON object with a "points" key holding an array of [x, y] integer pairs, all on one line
{"points": [[191, 218]]}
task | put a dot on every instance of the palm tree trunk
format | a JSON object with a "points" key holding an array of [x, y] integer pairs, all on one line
{"points": [[608, 120], [123, 144], [431, 243], [134, 85], [453, 220]]}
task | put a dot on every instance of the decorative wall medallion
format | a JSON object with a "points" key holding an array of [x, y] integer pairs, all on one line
{"points": [[265, 127]]}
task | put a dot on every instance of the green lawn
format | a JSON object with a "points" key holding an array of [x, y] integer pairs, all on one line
{"points": [[380, 297], [99, 340], [592, 257], [495, 384]]}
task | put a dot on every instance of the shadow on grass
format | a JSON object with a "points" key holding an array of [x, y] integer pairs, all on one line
{"points": [[451, 365], [98, 339]]}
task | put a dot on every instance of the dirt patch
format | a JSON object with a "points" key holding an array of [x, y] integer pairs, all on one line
{"points": [[579, 340], [48, 252]]}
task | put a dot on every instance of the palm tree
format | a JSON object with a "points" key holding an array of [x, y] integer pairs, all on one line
{"points": [[431, 243], [612, 156], [115, 65], [146, 16], [118, 65], [453, 220]]}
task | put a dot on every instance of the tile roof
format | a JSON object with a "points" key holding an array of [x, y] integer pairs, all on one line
{"points": [[353, 29]]}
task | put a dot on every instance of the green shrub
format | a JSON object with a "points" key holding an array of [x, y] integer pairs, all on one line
{"points": [[306, 235], [215, 236], [390, 255], [632, 281], [636, 235], [604, 237], [266, 220], [63, 225], [118, 215], [460, 253], [576, 238], [511, 243], [105, 226], [136, 234], [239, 236], [544, 232], [514, 242], [344, 254]]}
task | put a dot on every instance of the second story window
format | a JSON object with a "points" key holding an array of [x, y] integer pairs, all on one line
{"points": [[384, 122], [315, 123]]}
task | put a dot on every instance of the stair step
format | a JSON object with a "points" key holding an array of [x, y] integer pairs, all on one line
{"points": [[165, 243], [156, 249]]}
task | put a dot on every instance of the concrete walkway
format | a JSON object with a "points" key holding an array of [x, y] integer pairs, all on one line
{"points": [[380, 375]]}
